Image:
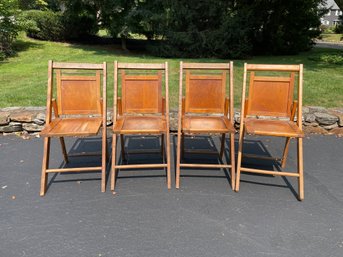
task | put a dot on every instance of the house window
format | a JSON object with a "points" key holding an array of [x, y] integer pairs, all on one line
{"points": [[325, 22], [329, 13], [337, 12]]}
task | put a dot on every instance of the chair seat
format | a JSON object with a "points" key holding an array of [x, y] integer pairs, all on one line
{"points": [[140, 125], [72, 127], [272, 128], [206, 124]]}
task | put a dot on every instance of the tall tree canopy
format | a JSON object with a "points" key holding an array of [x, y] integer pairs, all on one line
{"points": [[199, 28], [340, 4]]}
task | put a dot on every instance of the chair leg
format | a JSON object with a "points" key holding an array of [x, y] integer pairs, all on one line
{"points": [[182, 146], [300, 169], [285, 152], [122, 142], [45, 165], [222, 147], [64, 151], [162, 145], [113, 168], [232, 152], [168, 160], [178, 160], [103, 160], [239, 158]]}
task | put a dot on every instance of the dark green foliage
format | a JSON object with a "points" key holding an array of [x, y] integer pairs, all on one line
{"points": [[205, 29], [9, 27], [44, 25], [236, 29], [285, 27], [192, 28], [339, 29], [79, 18], [32, 4]]}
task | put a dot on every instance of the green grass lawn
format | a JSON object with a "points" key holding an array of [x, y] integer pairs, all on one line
{"points": [[23, 78], [331, 37]]}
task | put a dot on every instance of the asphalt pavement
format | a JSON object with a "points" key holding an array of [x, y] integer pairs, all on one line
{"points": [[203, 218]]}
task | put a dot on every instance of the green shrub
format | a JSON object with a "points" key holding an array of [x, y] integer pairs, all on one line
{"points": [[329, 58], [44, 25], [339, 29], [9, 27]]}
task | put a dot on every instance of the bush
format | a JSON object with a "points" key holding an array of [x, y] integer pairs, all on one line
{"points": [[58, 26], [329, 58], [204, 29], [9, 27], [44, 25], [339, 29]]}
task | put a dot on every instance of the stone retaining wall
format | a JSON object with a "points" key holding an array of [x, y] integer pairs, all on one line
{"points": [[29, 121]]}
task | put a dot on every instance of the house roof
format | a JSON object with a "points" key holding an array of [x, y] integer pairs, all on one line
{"points": [[331, 4]]}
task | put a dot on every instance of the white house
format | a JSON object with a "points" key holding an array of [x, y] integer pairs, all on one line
{"points": [[331, 18]]}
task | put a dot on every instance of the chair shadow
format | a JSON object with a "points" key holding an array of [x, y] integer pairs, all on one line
{"points": [[81, 145], [204, 143], [257, 147], [149, 146]]}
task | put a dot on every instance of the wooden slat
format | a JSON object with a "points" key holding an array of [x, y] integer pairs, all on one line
{"points": [[141, 66], [85, 66], [272, 67], [218, 66], [141, 77], [274, 79], [82, 78], [266, 172], [206, 77], [84, 169]]}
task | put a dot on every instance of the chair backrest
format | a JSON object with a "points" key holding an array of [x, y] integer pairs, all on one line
{"points": [[271, 93], [78, 88], [141, 87], [206, 85], [141, 93]]}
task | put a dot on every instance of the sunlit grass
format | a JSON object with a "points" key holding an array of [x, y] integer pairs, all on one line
{"points": [[23, 78], [331, 37]]}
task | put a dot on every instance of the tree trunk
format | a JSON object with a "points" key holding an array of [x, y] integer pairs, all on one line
{"points": [[123, 43]]}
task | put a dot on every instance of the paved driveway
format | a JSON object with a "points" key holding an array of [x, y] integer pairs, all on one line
{"points": [[203, 218]]}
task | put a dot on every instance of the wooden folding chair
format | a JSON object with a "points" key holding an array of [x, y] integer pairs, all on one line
{"points": [[271, 95], [141, 110], [205, 109], [79, 111]]}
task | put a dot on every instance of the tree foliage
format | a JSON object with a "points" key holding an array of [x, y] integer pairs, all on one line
{"points": [[222, 28], [198, 28], [80, 17], [9, 26], [340, 4]]}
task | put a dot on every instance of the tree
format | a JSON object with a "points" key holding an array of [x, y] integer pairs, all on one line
{"points": [[285, 27], [116, 17], [80, 18], [32, 4], [232, 28], [9, 26], [340, 4]]}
